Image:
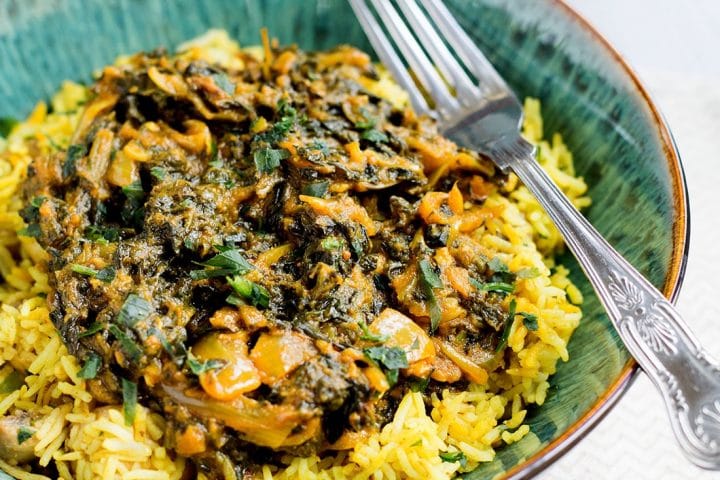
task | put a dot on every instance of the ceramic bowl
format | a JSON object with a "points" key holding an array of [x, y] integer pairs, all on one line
{"points": [[621, 145]]}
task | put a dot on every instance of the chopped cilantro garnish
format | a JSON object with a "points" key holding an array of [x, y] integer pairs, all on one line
{"points": [[331, 243], [158, 172], [430, 280], [530, 321], [368, 335], [134, 190], [531, 272], [106, 274], [32, 230], [508, 326], [454, 457], [420, 384], [129, 393], [92, 330], [373, 135], [133, 310], [102, 234], [316, 189], [91, 366], [268, 159], [127, 345], [389, 357], [198, 367], [24, 434], [499, 287], [497, 265], [256, 294], [228, 262]]}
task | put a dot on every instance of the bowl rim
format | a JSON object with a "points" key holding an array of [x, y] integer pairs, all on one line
{"points": [[673, 281]]}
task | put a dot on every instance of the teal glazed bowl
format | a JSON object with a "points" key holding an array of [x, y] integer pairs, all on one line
{"points": [[620, 142]]}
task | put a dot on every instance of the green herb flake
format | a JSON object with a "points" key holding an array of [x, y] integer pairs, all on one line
{"points": [[390, 357], [316, 189], [133, 310], [320, 146], [134, 190], [268, 159], [430, 280], [454, 457], [373, 135], [92, 330], [158, 172], [508, 326], [24, 434], [368, 335], [255, 294], [13, 381], [527, 273], [198, 367], [74, 153], [90, 367], [420, 384], [130, 399], [230, 261], [392, 376], [32, 230], [224, 83], [530, 321], [497, 265], [6, 126], [102, 235], [331, 243], [83, 270], [498, 287], [127, 345]]}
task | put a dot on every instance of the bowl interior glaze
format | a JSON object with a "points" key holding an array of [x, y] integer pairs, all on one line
{"points": [[543, 49]]}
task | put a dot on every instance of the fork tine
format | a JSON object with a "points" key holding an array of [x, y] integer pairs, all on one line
{"points": [[388, 57], [453, 72], [428, 76], [466, 49]]}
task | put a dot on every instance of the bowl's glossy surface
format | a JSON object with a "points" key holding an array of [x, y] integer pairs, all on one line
{"points": [[542, 48]]}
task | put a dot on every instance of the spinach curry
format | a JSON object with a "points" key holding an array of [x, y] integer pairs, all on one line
{"points": [[268, 257]]}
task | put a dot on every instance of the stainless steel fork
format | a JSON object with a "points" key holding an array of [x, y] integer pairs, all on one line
{"points": [[484, 114]]}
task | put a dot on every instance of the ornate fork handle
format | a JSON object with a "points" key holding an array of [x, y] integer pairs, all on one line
{"points": [[652, 329]]}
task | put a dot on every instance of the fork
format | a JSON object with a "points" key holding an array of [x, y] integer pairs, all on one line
{"points": [[485, 115]]}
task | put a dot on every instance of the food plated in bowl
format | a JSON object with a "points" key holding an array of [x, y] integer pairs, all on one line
{"points": [[238, 271]]}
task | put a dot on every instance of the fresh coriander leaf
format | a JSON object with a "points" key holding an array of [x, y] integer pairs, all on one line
{"points": [[102, 234], [228, 262], [319, 145], [508, 326], [233, 299], [12, 382], [367, 122], [133, 310], [316, 189], [420, 384], [222, 81], [497, 265], [500, 287], [178, 351], [428, 275], [74, 153], [92, 330], [37, 202], [256, 294], [6, 126], [106, 274], [368, 335], [390, 357], [198, 367], [90, 369], [32, 230], [454, 457], [134, 190], [530, 321], [83, 270], [373, 135], [24, 434], [127, 345], [158, 172], [392, 376], [331, 243], [129, 393], [268, 159], [530, 272]]}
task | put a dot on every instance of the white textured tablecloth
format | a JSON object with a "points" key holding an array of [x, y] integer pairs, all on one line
{"points": [[635, 441]]}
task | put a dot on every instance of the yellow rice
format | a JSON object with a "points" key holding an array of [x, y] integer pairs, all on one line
{"points": [[86, 442]]}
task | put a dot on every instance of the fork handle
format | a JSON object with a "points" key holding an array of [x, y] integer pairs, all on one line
{"points": [[651, 328]]}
